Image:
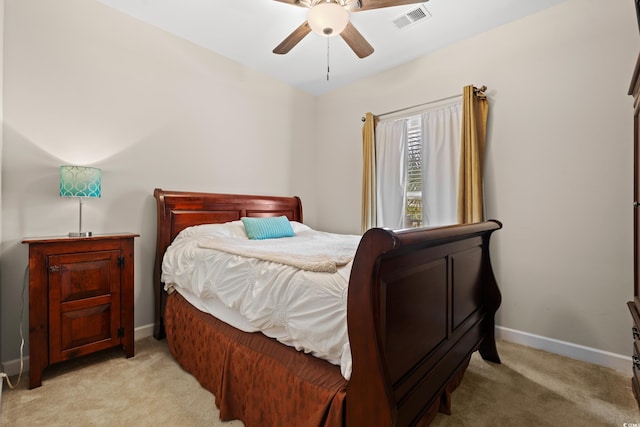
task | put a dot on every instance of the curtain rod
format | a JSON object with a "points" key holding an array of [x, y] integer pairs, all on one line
{"points": [[482, 89]]}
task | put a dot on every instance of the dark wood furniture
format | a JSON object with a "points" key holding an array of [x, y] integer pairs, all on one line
{"points": [[80, 298], [419, 303], [634, 305]]}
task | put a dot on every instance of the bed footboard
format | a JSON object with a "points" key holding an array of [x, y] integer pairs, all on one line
{"points": [[420, 302]]}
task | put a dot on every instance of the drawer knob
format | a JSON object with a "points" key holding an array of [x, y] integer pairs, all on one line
{"points": [[54, 269]]}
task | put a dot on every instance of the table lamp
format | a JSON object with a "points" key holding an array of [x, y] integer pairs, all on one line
{"points": [[80, 181]]}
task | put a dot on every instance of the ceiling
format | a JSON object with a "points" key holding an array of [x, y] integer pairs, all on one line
{"points": [[246, 31]]}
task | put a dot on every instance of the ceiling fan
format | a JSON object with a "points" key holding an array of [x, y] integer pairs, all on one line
{"points": [[331, 17]]}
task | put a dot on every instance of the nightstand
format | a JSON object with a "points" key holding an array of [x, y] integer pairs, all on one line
{"points": [[80, 298]]}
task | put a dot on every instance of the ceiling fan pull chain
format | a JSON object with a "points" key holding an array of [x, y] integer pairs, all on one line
{"points": [[327, 58]]}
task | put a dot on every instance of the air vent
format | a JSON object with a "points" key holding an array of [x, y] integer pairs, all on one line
{"points": [[411, 16]]}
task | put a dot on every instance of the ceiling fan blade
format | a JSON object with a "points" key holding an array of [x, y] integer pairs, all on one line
{"points": [[377, 4], [356, 41], [293, 39], [293, 2]]}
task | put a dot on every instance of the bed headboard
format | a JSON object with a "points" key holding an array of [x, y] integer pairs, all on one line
{"points": [[178, 210]]}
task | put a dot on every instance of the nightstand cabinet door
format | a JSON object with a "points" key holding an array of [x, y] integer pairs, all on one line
{"points": [[84, 303]]}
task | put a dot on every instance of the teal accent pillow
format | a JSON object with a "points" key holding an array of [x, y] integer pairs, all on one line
{"points": [[268, 227]]}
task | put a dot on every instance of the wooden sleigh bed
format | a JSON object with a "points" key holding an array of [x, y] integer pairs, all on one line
{"points": [[419, 303]]}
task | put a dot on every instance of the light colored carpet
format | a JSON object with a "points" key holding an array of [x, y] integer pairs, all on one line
{"points": [[530, 388]]}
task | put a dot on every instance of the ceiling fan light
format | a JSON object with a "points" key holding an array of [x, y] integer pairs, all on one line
{"points": [[328, 19]]}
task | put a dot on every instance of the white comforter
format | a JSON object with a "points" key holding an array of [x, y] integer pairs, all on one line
{"points": [[299, 307]]}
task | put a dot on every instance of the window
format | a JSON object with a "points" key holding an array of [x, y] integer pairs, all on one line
{"points": [[413, 203], [417, 166]]}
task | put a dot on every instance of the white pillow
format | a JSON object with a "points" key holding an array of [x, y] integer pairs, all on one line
{"points": [[229, 229], [298, 226]]}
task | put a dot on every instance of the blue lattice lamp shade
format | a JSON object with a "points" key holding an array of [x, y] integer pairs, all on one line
{"points": [[80, 181]]}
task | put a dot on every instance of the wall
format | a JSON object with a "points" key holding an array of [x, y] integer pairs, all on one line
{"points": [[1, 97], [85, 84], [1, 121], [559, 170]]}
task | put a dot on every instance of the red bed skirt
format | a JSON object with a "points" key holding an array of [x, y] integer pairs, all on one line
{"points": [[287, 388], [260, 381]]}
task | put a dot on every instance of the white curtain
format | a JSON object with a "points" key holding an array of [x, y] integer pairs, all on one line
{"points": [[441, 137], [391, 180]]}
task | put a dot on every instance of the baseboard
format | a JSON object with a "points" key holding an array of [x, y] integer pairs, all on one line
{"points": [[574, 351], [12, 367], [142, 332]]}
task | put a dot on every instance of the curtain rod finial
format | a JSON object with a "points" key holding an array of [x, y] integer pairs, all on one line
{"points": [[364, 119]]}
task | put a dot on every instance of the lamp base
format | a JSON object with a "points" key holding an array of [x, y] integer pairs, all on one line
{"points": [[80, 234]]}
